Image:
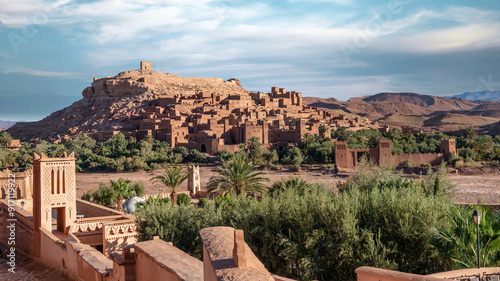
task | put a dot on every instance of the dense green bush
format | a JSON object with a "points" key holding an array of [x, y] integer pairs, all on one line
{"points": [[224, 155], [316, 234], [202, 202], [108, 195], [127, 154], [292, 156], [197, 157], [183, 199]]}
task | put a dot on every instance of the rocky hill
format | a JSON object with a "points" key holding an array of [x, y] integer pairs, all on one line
{"points": [[109, 102], [385, 104]]}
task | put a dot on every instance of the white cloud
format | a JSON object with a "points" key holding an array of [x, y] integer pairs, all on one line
{"points": [[469, 37], [20, 13], [36, 72], [340, 2]]}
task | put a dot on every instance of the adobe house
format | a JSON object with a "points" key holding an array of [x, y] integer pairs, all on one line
{"points": [[23, 184], [347, 158]]}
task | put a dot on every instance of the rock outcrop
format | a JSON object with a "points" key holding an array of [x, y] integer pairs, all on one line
{"points": [[110, 102]]}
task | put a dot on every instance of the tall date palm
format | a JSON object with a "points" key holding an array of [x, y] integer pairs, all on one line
{"points": [[173, 177], [237, 175]]}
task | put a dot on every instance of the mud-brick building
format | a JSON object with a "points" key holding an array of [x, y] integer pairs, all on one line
{"points": [[215, 118], [347, 158]]}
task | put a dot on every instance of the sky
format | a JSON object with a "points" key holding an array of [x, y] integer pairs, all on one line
{"points": [[51, 50]]}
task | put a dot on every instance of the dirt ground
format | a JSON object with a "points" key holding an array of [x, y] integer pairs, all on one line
{"points": [[89, 181], [472, 185], [473, 189]]}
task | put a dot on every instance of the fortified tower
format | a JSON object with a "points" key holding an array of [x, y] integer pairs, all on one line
{"points": [[448, 148], [54, 187], [146, 65], [384, 152], [342, 155]]}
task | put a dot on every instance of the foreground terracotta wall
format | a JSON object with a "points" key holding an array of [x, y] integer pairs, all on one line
{"points": [[156, 258], [366, 273]]}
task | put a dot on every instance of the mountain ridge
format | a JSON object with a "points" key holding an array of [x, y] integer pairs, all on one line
{"points": [[480, 95]]}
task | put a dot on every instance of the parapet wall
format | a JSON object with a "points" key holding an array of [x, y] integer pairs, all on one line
{"points": [[23, 228], [158, 258], [419, 159], [89, 210], [366, 273]]}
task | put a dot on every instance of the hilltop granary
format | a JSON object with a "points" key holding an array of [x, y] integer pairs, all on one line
{"points": [[221, 119]]}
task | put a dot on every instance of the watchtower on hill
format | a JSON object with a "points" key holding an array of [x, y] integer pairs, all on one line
{"points": [[146, 65]]}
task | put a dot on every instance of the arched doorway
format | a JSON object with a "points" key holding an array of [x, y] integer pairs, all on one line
{"points": [[203, 148]]}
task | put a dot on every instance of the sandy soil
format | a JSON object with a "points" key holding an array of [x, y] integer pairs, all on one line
{"points": [[472, 186], [473, 189], [89, 181], [28, 270]]}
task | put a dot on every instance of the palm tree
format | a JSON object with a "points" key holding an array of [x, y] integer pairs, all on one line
{"points": [[237, 175], [295, 183], [457, 241], [254, 149], [122, 190], [173, 178]]}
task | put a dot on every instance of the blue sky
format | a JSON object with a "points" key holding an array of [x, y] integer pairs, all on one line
{"points": [[51, 50]]}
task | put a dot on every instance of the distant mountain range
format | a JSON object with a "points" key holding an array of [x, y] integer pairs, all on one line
{"points": [[483, 95], [431, 113], [4, 125]]}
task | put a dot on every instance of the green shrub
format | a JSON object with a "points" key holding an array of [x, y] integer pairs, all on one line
{"points": [[203, 202], [183, 199], [295, 168], [367, 176], [292, 156], [404, 164], [197, 157], [224, 155], [319, 235]]}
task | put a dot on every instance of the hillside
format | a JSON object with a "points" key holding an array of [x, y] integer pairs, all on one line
{"points": [[4, 125], [384, 104], [410, 109], [110, 102]]}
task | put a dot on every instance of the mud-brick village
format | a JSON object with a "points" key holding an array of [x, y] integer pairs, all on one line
{"points": [[339, 140]]}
